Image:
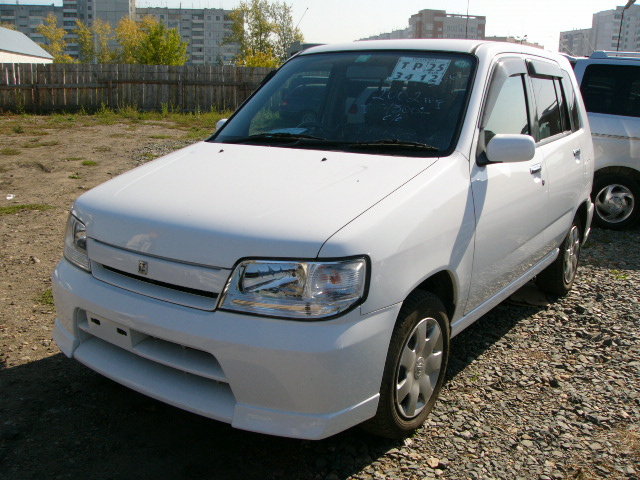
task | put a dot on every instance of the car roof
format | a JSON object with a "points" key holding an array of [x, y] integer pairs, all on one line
{"points": [[481, 48]]}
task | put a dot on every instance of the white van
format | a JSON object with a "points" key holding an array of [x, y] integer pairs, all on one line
{"points": [[610, 85], [298, 277]]}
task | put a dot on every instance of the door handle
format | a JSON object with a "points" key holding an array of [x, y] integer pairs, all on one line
{"points": [[576, 152], [537, 168]]}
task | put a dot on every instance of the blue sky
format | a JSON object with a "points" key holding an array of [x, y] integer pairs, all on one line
{"points": [[331, 21]]}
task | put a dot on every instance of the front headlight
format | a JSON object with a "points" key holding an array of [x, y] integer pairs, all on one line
{"points": [[75, 243], [290, 289]]}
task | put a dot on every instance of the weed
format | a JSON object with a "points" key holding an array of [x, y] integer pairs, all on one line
{"points": [[74, 176], [12, 209], [619, 275], [103, 148], [45, 298], [148, 156], [9, 151], [89, 163], [18, 129], [35, 143]]}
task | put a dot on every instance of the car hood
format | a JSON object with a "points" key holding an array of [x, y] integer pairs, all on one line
{"points": [[212, 204]]}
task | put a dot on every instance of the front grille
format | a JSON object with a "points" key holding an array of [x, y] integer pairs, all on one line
{"points": [[192, 291], [177, 282]]}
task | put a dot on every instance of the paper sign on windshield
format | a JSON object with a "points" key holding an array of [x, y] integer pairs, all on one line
{"points": [[423, 70]]}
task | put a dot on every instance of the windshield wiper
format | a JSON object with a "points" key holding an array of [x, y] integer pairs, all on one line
{"points": [[394, 143], [276, 137]]}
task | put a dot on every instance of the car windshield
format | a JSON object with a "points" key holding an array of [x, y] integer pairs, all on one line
{"points": [[389, 102]]}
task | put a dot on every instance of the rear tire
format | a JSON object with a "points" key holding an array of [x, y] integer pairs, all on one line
{"points": [[558, 277], [615, 197], [415, 368]]}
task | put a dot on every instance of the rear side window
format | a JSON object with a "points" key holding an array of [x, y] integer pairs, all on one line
{"points": [[548, 106], [612, 89], [572, 104]]}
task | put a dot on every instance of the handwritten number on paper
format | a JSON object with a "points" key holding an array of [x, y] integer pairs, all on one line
{"points": [[423, 70]]}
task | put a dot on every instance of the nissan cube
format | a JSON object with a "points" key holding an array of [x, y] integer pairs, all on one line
{"points": [[298, 275]]}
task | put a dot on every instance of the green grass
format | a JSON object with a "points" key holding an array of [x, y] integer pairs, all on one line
{"points": [[148, 156], [74, 176], [89, 163], [201, 122], [619, 275], [34, 143], [9, 151], [45, 298], [12, 209]]}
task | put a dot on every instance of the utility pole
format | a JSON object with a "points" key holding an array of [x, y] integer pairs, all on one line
{"points": [[629, 3]]}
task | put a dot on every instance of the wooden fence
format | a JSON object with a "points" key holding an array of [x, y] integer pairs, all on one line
{"points": [[43, 88]]}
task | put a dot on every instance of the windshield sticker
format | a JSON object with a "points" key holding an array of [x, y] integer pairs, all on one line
{"points": [[292, 131], [363, 58], [423, 70]]}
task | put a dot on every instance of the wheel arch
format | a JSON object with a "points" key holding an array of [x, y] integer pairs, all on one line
{"points": [[582, 214], [443, 286], [627, 171]]}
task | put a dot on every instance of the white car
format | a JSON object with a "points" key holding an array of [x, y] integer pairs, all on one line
{"points": [[610, 84], [298, 279]]}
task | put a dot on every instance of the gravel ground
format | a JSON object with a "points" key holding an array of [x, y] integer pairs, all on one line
{"points": [[544, 391]]}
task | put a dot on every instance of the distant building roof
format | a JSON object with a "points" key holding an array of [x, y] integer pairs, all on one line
{"points": [[17, 42]]}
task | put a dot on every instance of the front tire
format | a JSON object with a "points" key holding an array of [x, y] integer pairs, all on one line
{"points": [[558, 277], [616, 199], [415, 368]]}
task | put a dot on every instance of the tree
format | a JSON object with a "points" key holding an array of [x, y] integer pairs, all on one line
{"points": [[264, 31], [129, 36], [55, 43], [150, 42], [86, 42], [95, 42], [161, 46], [103, 34], [284, 31]]}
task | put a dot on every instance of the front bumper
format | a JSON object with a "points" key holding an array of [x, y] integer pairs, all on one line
{"points": [[281, 377]]}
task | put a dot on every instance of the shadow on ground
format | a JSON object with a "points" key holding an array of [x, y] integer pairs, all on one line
{"points": [[60, 420]]}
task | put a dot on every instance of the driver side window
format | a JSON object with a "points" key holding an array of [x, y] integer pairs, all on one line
{"points": [[509, 115]]}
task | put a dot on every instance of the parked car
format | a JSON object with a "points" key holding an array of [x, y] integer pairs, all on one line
{"points": [[610, 85], [298, 280]]}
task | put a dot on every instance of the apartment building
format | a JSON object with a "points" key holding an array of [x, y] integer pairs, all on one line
{"points": [[438, 24], [576, 42], [610, 30], [203, 29], [26, 18]]}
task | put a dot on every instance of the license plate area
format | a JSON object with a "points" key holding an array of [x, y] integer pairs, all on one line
{"points": [[110, 331]]}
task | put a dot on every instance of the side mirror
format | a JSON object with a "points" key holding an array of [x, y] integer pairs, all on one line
{"points": [[507, 148], [220, 123]]}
